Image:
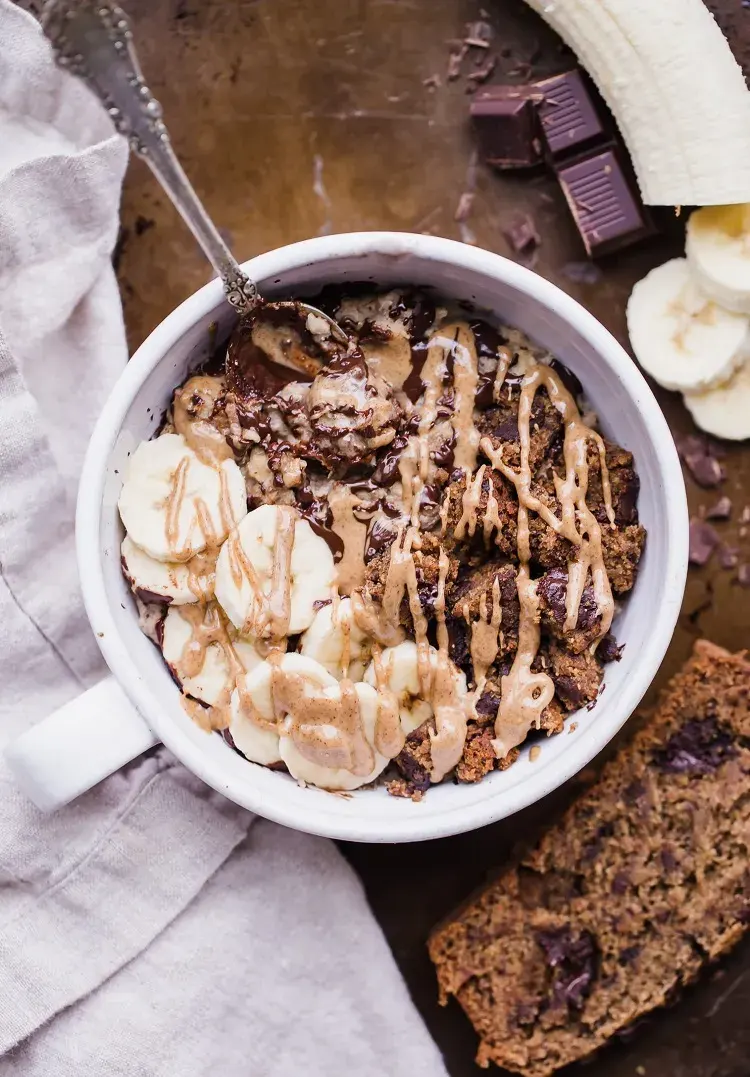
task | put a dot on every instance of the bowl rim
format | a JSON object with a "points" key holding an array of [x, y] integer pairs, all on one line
{"points": [[422, 825]]}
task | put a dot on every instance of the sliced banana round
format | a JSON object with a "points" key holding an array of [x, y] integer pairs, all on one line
{"points": [[303, 768], [172, 505], [718, 251], [253, 717], [399, 667], [336, 641], [199, 661], [681, 337], [251, 581], [168, 580], [724, 411]]}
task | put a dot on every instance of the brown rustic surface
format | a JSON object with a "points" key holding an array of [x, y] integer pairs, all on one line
{"points": [[296, 117]]}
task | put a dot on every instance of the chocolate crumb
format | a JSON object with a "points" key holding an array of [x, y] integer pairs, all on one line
{"points": [[522, 235], [722, 510], [481, 74], [582, 272], [142, 224], [703, 542], [455, 59]]}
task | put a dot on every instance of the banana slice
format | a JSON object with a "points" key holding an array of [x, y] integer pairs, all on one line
{"points": [[251, 582], [166, 580], [196, 657], [718, 251], [679, 336], [724, 411], [400, 668], [336, 641], [253, 717], [300, 766], [173, 506]]}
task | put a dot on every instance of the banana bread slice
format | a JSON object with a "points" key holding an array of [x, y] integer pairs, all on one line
{"points": [[644, 880]]}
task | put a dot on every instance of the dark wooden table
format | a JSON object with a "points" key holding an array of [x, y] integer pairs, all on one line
{"points": [[299, 117]]}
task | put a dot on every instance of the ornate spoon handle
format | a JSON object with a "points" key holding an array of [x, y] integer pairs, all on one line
{"points": [[93, 40]]}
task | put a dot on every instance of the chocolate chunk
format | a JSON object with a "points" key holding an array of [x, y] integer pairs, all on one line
{"points": [[488, 703], [608, 650], [700, 747], [700, 458], [567, 113], [604, 205], [507, 125], [703, 542], [522, 235], [574, 964], [722, 510]]}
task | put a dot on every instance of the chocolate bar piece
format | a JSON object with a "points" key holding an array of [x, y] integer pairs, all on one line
{"points": [[508, 127], [605, 207], [568, 115]]}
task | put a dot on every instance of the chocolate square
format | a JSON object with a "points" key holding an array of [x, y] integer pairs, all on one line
{"points": [[507, 125], [568, 115], [605, 207]]}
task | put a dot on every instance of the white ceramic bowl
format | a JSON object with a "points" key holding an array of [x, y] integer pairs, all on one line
{"points": [[628, 412]]}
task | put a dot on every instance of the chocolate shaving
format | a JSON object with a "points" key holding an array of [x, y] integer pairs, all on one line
{"points": [[703, 542], [722, 510], [522, 235], [432, 82]]}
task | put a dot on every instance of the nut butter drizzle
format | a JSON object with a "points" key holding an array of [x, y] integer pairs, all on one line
{"points": [[524, 694], [208, 626], [268, 615], [327, 726], [192, 407]]}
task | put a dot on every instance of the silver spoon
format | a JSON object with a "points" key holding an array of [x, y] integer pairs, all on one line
{"points": [[93, 40]]}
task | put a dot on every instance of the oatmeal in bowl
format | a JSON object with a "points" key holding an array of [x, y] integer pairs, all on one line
{"points": [[390, 563]]}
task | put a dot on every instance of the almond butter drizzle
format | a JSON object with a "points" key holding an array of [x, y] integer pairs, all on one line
{"points": [[524, 694], [208, 626], [350, 571], [328, 728], [202, 516], [486, 637], [208, 443], [470, 504], [268, 614]]}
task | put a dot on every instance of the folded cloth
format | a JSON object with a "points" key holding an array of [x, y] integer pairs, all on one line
{"points": [[151, 928]]}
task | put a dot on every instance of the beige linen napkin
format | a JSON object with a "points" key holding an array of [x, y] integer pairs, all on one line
{"points": [[151, 928]]}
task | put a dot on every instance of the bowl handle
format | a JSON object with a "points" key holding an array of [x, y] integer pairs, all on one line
{"points": [[78, 745]]}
